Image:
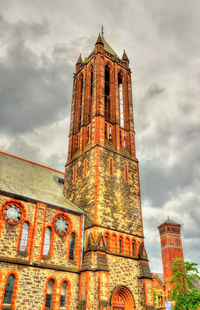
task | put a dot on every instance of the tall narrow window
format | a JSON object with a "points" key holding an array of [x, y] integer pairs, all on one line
{"points": [[47, 241], [114, 243], [49, 295], [107, 93], [80, 103], [24, 237], [121, 104], [110, 133], [133, 248], [63, 295], [72, 246], [9, 290], [91, 82], [120, 245], [127, 246], [91, 95], [107, 243]]}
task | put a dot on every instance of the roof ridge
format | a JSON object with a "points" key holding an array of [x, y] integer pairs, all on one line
{"points": [[31, 162]]}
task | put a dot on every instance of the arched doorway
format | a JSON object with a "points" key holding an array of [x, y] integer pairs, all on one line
{"points": [[122, 299]]}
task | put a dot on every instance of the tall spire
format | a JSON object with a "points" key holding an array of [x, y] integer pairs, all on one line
{"points": [[102, 32]]}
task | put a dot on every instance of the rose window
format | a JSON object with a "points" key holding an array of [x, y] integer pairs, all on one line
{"points": [[12, 212], [62, 224]]}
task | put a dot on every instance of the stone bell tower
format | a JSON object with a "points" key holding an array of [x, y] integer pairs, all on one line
{"points": [[102, 178]]}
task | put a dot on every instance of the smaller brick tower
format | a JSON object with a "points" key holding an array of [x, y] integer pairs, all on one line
{"points": [[171, 246]]}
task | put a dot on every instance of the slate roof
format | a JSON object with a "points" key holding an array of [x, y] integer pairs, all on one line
{"points": [[160, 277], [107, 47], [169, 221], [146, 273], [31, 180]]}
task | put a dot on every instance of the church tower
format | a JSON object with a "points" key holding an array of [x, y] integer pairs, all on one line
{"points": [[102, 178], [171, 246]]}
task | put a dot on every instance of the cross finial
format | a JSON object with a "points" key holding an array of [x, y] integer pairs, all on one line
{"points": [[102, 32]]}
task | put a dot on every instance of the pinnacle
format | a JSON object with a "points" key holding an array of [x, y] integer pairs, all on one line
{"points": [[99, 40], [124, 57], [79, 61]]}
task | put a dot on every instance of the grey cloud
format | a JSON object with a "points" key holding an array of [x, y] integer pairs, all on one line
{"points": [[162, 42], [154, 90], [37, 86]]}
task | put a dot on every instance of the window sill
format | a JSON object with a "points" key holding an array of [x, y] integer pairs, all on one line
{"points": [[46, 257], [72, 261], [22, 253], [6, 307]]}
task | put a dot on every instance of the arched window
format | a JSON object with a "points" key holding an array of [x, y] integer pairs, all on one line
{"points": [[127, 246], [63, 295], [91, 95], [107, 93], [47, 241], [120, 245], [72, 246], [9, 290], [133, 248], [107, 241], [91, 82], [114, 243], [24, 237], [49, 294], [121, 103]]}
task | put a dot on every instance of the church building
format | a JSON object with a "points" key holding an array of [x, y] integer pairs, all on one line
{"points": [[75, 240]]}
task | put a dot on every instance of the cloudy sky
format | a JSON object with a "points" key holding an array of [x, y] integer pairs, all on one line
{"points": [[40, 42]]}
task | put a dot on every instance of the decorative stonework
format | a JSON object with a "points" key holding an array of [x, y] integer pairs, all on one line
{"points": [[13, 212], [62, 224]]}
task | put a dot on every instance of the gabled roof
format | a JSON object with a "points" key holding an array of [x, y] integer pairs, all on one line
{"points": [[31, 180]]}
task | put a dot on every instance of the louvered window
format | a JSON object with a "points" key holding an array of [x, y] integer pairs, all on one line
{"points": [[121, 103]]}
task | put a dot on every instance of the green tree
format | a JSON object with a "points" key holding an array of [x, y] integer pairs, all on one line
{"points": [[157, 300], [184, 291]]}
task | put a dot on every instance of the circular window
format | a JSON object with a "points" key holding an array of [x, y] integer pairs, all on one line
{"points": [[12, 212], [62, 224]]}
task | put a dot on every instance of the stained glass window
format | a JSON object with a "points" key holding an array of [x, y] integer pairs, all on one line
{"points": [[49, 295], [47, 241], [9, 290], [63, 295], [72, 246], [24, 237]]}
